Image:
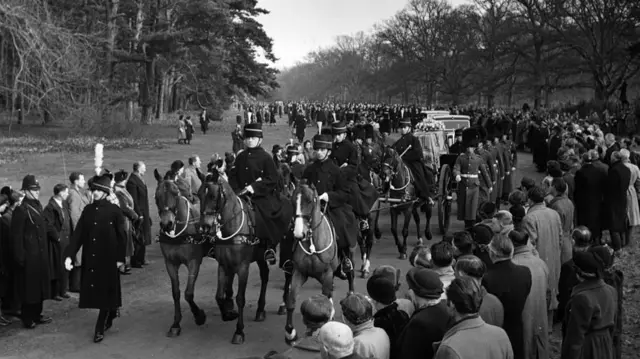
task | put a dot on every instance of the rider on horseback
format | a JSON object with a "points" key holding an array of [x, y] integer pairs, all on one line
{"points": [[333, 188], [410, 149], [255, 173]]}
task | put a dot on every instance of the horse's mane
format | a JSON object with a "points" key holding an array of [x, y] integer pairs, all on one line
{"points": [[167, 193], [308, 192]]}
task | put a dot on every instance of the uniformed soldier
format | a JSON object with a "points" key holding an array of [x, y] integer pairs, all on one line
{"points": [[456, 147], [255, 172], [371, 151], [344, 153], [497, 152], [101, 234], [411, 150], [510, 155], [467, 170], [486, 187], [333, 188]]}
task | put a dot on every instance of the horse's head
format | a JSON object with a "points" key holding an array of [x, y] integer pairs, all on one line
{"points": [[390, 161], [214, 197], [305, 201], [167, 200]]}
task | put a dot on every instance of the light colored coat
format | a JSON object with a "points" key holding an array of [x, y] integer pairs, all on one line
{"points": [[371, 342], [633, 210], [472, 338], [534, 315], [544, 227], [565, 208], [78, 199], [191, 176]]}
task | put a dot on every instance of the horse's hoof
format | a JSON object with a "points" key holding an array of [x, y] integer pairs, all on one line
{"points": [[238, 338], [428, 235], [289, 338], [282, 310], [174, 332], [201, 318], [261, 316], [377, 233], [230, 315], [402, 256]]}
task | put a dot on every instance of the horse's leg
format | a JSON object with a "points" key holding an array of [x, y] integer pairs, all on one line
{"points": [[243, 278], [172, 270], [224, 281], [264, 280], [297, 281], [194, 269], [428, 211], [285, 294], [369, 247], [405, 232], [363, 250], [351, 274], [394, 229], [416, 218], [376, 228]]}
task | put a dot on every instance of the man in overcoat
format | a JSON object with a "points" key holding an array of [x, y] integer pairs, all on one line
{"points": [[101, 233], [467, 171], [31, 254], [410, 148], [255, 172], [137, 188], [77, 200], [618, 180], [509, 159], [57, 215], [334, 189], [591, 186]]}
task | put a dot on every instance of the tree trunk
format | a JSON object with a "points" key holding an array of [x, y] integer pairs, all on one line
{"points": [[145, 93], [160, 95], [112, 30]]}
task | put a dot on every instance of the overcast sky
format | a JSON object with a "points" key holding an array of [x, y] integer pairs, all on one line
{"points": [[298, 27]]}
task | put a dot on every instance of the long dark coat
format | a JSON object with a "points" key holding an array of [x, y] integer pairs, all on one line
{"points": [[618, 181], [589, 197], [138, 191], [590, 321], [59, 236], [7, 266], [425, 327], [273, 210], [101, 233], [511, 283], [31, 252], [327, 178]]}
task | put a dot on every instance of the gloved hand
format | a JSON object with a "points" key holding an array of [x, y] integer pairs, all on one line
{"points": [[119, 264], [324, 197], [458, 178], [249, 189], [67, 264]]}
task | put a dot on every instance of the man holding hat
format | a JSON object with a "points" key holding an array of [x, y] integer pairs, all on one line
{"points": [[31, 254], [429, 322], [333, 189], [101, 233], [467, 170], [255, 172], [410, 149]]}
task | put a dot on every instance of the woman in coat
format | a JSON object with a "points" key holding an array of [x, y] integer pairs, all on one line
{"points": [[101, 233], [125, 202], [591, 314], [633, 210], [618, 180]]}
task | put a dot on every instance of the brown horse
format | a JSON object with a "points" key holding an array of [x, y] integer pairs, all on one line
{"points": [[398, 185], [315, 252], [230, 219], [180, 245]]}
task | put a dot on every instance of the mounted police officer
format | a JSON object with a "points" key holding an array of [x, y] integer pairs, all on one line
{"points": [[255, 173], [343, 153], [468, 169], [333, 189], [409, 147]]}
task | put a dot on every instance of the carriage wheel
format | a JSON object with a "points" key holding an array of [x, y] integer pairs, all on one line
{"points": [[444, 204]]}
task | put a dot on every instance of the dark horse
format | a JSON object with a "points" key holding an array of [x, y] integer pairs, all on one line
{"points": [[230, 219], [180, 245], [315, 252], [398, 185]]}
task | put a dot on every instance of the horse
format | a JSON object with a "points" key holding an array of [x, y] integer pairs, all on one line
{"points": [[398, 183], [369, 225], [180, 245], [230, 219], [315, 252]]}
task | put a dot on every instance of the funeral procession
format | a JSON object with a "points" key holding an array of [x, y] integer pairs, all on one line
{"points": [[281, 179]]}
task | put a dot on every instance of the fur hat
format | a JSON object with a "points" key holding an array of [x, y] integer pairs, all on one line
{"points": [[253, 130], [470, 137], [359, 132]]}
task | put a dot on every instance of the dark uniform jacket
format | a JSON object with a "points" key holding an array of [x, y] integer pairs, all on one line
{"points": [[273, 211], [138, 191], [344, 152], [327, 178], [101, 233], [31, 252], [457, 148], [414, 159], [471, 169]]}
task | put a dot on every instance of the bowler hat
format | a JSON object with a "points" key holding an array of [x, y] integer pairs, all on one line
{"points": [[322, 141], [253, 130], [338, 128], [29, 183]]}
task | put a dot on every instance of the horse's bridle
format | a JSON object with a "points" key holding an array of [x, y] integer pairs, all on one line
{"points": [[397, 163], [186, 222], [215, 213], [308, 236]]}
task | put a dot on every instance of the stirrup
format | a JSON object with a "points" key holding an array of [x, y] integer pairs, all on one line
{"points": [[287, 266], [270, 256]]}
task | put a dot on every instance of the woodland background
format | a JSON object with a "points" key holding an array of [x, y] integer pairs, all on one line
{"points": [[489, 52]]}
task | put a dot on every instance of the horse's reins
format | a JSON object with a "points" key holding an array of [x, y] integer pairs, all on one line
{"points": [[312, 247], [394, 173], [220, 226], [186, 222]]}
